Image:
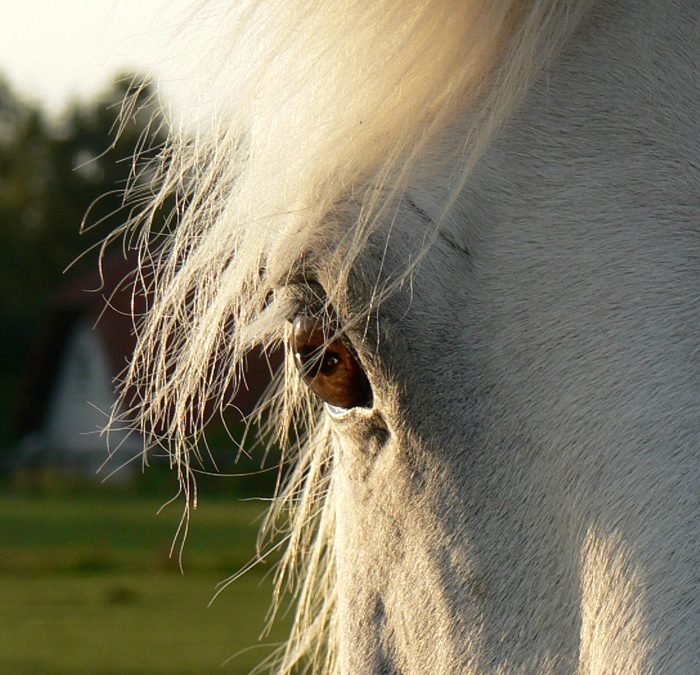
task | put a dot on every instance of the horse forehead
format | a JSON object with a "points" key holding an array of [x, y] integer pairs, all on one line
{"points": [[615, 115], [602, 153], [579, 224]]}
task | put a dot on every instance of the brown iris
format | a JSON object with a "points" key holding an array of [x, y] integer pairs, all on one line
{"points": [[330, 369]]}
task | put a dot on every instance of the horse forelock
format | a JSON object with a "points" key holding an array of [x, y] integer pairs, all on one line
{"points": [[323, 112]]}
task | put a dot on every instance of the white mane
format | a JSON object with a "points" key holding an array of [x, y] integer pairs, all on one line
{"points": [[325, 110]]}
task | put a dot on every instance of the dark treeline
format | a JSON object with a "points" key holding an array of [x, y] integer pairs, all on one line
{"points": [[61, 193], [56, 175]]}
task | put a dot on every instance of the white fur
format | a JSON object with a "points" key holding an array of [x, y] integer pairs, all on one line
{"points": [[523, 496]]}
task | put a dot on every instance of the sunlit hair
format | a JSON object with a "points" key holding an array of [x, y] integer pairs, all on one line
{"points": [[323, 111]]}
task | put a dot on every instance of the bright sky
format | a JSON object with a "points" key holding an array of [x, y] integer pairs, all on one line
{"points": [[54, 50]]}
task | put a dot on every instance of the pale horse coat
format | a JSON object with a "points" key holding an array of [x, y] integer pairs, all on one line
{"points": [[524, 497]]}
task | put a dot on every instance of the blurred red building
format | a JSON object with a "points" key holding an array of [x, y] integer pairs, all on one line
{"points": [[68, 392]]}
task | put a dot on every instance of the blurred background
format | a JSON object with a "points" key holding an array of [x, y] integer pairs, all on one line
{"points": [[89, 579]]}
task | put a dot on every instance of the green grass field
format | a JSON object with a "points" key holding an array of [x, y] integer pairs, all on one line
{"points": [[87, 587]]}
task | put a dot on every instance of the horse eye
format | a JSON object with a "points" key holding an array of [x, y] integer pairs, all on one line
{"points": [[330, 369]]}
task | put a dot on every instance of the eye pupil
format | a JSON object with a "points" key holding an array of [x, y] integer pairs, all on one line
{"points": [[329, 368]]}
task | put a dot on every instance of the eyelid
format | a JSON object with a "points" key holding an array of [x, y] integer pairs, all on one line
{"points": [[307, 298], [336, 412]]}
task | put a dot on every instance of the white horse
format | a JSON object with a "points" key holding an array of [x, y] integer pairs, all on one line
{"points": [[476, 227]]}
